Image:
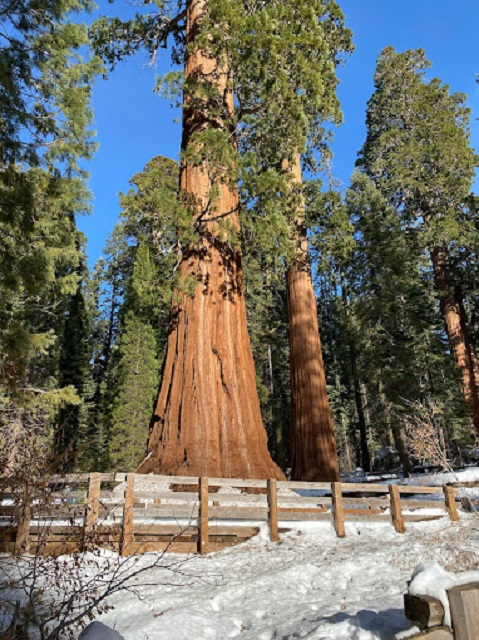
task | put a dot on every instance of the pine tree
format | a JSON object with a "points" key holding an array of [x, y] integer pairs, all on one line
{"points": [[73, 372], [136, 375], [44, 125], [417, 152]]}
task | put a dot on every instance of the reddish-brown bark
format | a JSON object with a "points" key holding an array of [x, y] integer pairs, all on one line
{"points": [[207, 420], [457, 328], [313, 442]]}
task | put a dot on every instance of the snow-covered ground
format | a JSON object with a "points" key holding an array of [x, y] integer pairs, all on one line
{"points": [[311, 585]]}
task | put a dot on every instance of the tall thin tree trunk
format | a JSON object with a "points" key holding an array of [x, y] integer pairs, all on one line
{"points": [[358, 398], [458, 330], [313, 442], [207, 419]]}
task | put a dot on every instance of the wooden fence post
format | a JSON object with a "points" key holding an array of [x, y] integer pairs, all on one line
{"points": [[93, 502], [22, 537], [273, 510], [338, 513], [464, 604], [450, 500], [396, 513], [203, 516], [127, 531]]}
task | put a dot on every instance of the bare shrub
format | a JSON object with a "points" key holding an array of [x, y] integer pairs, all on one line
{"points": [[45, 593]]}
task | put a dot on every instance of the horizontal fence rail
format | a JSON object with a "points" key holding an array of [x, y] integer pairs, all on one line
{"points": [[132, 513]]}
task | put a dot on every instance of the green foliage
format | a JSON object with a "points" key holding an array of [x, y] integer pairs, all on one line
{"points": [[44, 107], [131, 293], [387, 340], [136, 386], [45, 132], [418, 150]]}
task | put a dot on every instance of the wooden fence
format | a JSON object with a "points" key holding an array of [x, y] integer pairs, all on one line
{"points": [[133, 513]]}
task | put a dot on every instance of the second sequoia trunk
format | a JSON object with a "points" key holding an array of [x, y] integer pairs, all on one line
{"points": [[313, 442], [207, 419], [458, 331]]}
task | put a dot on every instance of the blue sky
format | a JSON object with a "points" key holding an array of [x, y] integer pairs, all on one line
{"points": [[133, 124]]}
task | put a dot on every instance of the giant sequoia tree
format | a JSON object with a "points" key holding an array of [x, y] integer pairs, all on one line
{"points": [[418, 154], [208, 420], [282, 57]]}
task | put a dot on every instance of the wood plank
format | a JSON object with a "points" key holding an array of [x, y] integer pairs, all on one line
{"points": [[301, 501], [363, 512], [421, 518], [234, 530], [450, 502], [423, 504], [70, 494], [303, 510], [338, 514], [10, 495], [92, 506], [69, 478], [295, 516], [409, 488], [435, 633], [182, 496], [137, 548], [108, 477], [160, 529], [203, 516], [273, 510], [22, 538], [423, 611], [294, 484], [363, 487], [166, 511], [396, 514], [127, 529], [464, 604], [240, 498], [253, 512], [367, 502], [357, 516], [212, 482]]}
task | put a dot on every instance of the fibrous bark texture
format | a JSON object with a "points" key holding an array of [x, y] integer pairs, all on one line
{"points": [[313, 442], [207, 420], [458, 331]]}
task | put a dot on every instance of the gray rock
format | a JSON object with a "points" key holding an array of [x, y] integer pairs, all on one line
{"points": [[99, 631]]}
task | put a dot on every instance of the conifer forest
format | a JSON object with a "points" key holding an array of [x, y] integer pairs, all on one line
{"points": [[251, 316]]}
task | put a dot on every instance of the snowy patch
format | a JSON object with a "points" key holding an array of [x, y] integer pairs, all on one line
{"points": [[430, 579], [310, 585]]}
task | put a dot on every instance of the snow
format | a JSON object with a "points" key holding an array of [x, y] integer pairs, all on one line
{"points": [[310, 585], [430, 579], [466, 475]]}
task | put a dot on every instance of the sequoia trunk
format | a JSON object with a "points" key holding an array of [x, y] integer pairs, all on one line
{"points": [[457, 328], [207, 419], [313, 442]]}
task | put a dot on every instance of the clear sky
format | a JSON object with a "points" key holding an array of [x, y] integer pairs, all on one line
{"points": [[133, 124]]}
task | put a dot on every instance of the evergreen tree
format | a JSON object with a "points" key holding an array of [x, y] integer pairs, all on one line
{"points": [[44, 105], [274, 119], [73, 372], [418, 154], [44, 125], [137, 367]]}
